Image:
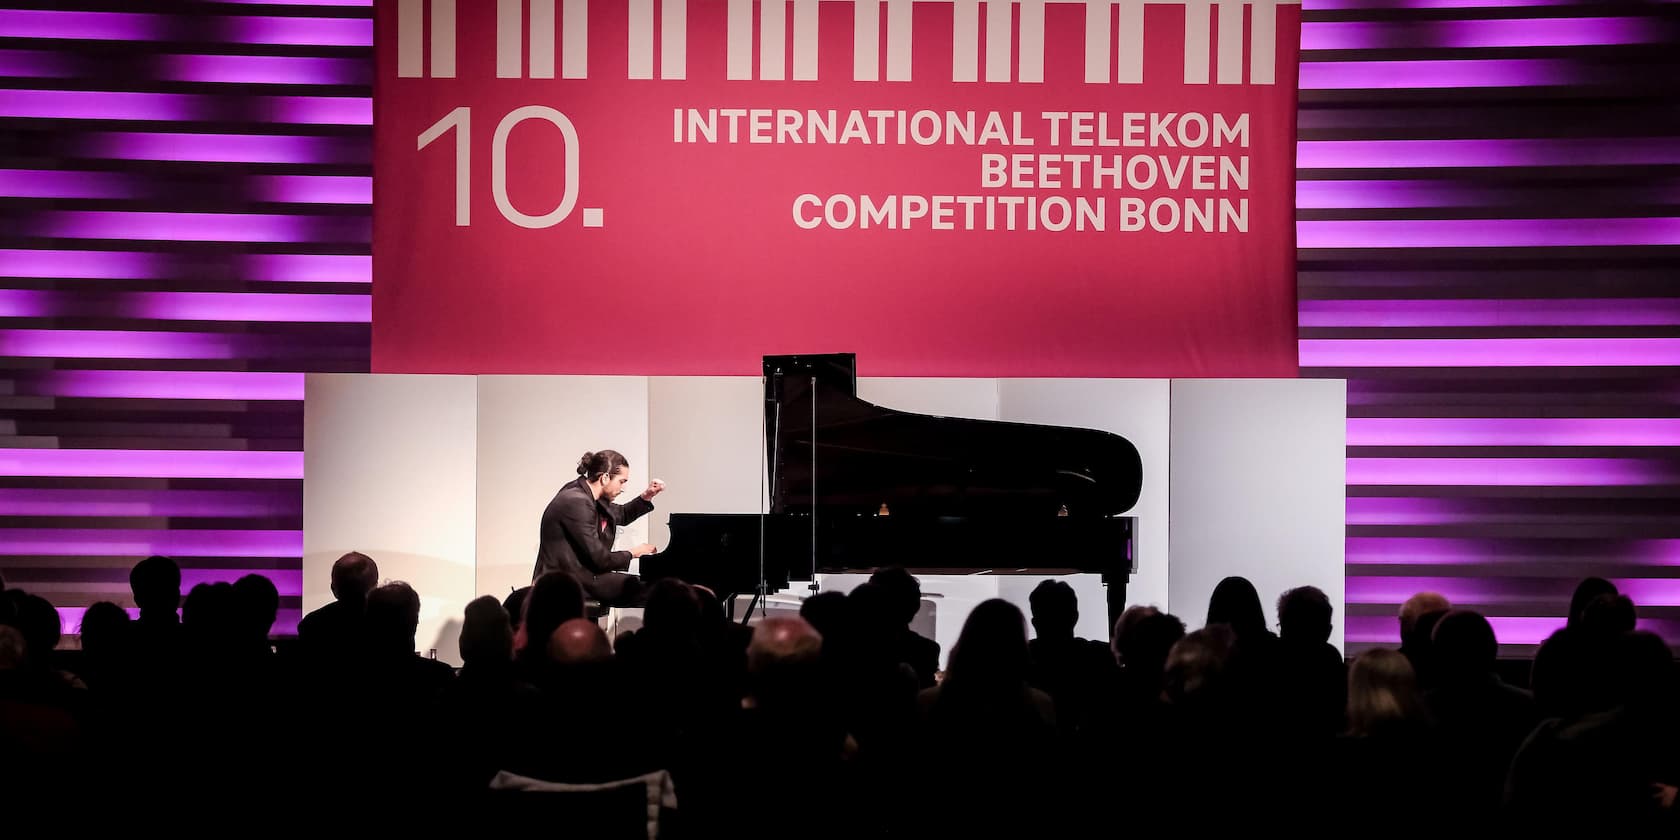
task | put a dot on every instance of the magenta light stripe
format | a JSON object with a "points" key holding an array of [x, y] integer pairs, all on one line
{"points": [[310, 268], [174, 227], [299, 31], [25, 303], [1509, 630], [1510, 472], [285, 621], [34, 64], [199, 504], [1382, 589], [1339, 5], [1406, 510], [1362, 589], [63, 183], [236, 306], [1490, 352], [171, 385], [322, 110], [311, 189], [366, 4], [149, 463], [262, 69], [1434, 551], [101, 105], [1486, 233], [1349, 195], [93, 265], [1596, 312], [1467, 73], [119, 344], [1513, 431], [289, 582], [105, 542], [1471, 34], [1404, 154], [210, 148], [92, 26]]}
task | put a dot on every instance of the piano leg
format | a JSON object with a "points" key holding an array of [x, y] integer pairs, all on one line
{"points": [[1116, 585]]}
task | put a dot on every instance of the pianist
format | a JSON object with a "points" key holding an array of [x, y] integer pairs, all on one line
{"points": [[579, 525]]}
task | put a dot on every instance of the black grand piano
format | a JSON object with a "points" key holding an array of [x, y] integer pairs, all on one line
{"points": [[854, 486]]}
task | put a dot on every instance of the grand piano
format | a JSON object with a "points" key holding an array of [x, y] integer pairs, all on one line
{"points": [[854, 486]]}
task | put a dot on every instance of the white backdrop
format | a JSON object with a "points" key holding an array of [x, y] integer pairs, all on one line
{"points": [[454, 472]]}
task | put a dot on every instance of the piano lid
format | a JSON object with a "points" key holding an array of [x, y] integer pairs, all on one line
{"points": [[867, 456]]}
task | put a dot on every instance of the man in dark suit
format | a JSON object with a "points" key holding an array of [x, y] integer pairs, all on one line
{"points": [[580, 524]]}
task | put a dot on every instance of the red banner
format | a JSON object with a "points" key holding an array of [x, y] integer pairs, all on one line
{"points": [[945, 187]]}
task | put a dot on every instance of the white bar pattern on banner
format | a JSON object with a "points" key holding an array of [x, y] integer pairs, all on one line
{"points": [[999, 22], [1198, 18], [641, 39], [1230, 42], [542, 39], [898, 40], [1014, 38], [805, 40], [1032, 41], [574, 51], [739, 64], [673, 39], [411, 31], [772, 40], [965, 40], [510, 31], [866, 41]]}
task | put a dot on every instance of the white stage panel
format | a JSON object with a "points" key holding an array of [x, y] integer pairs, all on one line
{"points": [[1135, 409], [705, 439], [1258, 490], [532, 430], [389, 466]]}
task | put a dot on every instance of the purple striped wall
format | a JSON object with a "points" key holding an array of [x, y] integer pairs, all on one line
{"points": [[185, 194], [1488, 199], [1489, 217]]}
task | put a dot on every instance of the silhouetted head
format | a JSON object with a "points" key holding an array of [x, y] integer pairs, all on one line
{"points": [[14, 651], [579, 641], [37, 619], [1645, 673], [1236, 604], [903, 591], [992, 648], [486, 635], [514, 604], [1194, 675], [1606, 617], [1382, 692], [353, 576], [1143, 645], [782, 662], [104, 630], [156, 585], [1463, 645], [210, 616], [258, 602], [672, 610], [393, 617], [1416, 607], [1304, 615], [827, 612], [555, 599], [1055, 609], [1585, 593]]}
